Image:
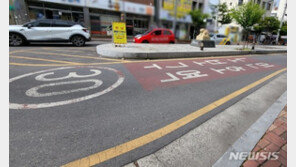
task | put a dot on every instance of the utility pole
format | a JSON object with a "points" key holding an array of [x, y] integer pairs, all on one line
{"points": [[282, 20], [156, 12], [175, 16]]}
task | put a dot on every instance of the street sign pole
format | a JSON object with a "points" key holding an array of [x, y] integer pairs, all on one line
{"points": [[175, 16]]}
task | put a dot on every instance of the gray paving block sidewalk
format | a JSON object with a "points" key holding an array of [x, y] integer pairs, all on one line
{"points": [[157, 51]]}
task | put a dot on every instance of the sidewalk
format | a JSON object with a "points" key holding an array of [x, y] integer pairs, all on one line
{"points": [[163, 51], [274, 140]]}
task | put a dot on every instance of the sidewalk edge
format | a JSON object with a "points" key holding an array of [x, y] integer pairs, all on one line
{"points": [[250, 138]]}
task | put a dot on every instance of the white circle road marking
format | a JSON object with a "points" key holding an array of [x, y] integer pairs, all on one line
{"points": [[70, 101]]}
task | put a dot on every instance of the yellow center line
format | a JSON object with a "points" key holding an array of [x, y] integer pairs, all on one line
{"points": [[18, 51], [78, 56], [38, 65], [113, 152], [48, 60]]}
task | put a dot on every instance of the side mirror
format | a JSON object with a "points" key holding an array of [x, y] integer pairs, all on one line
{"points": [[29, 26]]}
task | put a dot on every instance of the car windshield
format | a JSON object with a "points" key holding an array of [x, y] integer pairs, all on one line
{"points": [[147, 32]]}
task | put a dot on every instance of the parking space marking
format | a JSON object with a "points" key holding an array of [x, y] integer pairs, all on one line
{"points": [[48, 60], [118, 150], [95, 71]]}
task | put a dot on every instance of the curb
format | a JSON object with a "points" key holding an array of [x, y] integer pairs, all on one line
{"points": [[250, 138], [167, 55]]}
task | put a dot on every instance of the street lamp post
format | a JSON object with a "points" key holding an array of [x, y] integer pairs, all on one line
{"points": [[175, 16]]}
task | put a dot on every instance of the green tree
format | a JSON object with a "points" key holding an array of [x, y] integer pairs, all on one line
{"points": [[247, 15], [284, 29], [224, 16], [270, 24], [198, 19]]}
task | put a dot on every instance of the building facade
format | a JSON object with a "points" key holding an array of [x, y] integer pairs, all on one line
{"points": [[166, 14], [265, 4], [97, 15], [279, 9]]}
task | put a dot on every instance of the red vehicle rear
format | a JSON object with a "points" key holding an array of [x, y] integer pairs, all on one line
{"points": [[157, 35]]}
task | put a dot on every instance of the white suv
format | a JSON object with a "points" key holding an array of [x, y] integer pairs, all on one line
{"points": [[48, 30]]}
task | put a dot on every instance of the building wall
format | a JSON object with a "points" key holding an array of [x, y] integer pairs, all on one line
{"points": [[265, 4], [278, 10]]}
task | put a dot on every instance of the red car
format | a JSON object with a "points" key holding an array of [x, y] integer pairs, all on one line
{"points": [[157, 35]]}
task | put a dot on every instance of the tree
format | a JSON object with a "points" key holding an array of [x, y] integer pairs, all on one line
{"points": [[270, 24], [284, 29], [224, 16], [247, 15], [198, 19]]}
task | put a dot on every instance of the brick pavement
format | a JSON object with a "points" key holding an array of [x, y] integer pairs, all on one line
{"points": [[274, 140]]}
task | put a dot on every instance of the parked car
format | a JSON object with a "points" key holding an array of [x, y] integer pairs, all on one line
{"points": [[156, 35], [220, 39], [48, 30]]}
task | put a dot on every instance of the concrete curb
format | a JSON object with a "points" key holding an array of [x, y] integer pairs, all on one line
{"points": [[251, 137], [109, 52], [207, 143]]}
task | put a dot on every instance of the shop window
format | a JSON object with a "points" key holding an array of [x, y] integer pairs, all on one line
{"points": [[35, 14]]}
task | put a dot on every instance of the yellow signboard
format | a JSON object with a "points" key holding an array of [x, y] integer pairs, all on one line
{"points": [[183, 7], [119, 33]]}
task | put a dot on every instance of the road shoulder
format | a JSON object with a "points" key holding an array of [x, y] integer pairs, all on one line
{"points": [[204, 145]]}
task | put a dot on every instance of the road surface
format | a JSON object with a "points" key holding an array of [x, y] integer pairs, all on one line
{"points": [[69, 106]]}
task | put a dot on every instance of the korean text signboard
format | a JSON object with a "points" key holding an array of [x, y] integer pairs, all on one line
{"points": [[119, 33]]}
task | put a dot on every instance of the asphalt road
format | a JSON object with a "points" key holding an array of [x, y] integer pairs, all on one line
{"points": [[66, 103]]}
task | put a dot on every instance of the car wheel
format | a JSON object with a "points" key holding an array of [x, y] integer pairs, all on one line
{"points": [[228, 43], [145, 41], [172, 42], [15, 39], [78, 40]]}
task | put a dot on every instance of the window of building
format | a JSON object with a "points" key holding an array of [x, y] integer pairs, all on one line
{"points": [[240, 2], [200, 5], [258, 2], [230, 4], [268, 6], [193, 5], [263, 5]]}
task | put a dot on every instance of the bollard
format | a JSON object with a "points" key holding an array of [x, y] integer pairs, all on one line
{"points": [[201, 46], [253, 47]]}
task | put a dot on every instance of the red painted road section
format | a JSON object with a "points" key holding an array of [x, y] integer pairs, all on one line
{"points": [[169, 73]]}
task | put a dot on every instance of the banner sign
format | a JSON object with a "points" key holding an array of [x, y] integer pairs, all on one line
{"points": [[119, 33]]}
